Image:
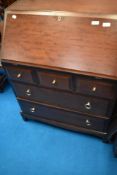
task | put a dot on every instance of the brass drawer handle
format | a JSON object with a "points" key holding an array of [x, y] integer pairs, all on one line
{"points": [[88, 105], [54, 82], [19, 75], [59, 18], [32, 110], [94, 89], [88, 123], [28, 92]]}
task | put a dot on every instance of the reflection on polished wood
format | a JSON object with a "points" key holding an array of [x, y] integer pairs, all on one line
{"points": [[79, 6], [72, 44]]}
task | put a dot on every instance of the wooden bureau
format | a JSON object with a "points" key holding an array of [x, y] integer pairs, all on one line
{"points": [[61, 59]]}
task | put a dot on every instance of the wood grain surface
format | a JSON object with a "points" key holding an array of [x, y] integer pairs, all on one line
{"points": [[80, 6], [71, 44]]}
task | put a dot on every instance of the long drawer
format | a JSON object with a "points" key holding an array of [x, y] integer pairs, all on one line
{"points": [[64, 116], [73, 101]]}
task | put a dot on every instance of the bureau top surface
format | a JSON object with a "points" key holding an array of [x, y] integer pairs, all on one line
{"points": [[79, 6]]}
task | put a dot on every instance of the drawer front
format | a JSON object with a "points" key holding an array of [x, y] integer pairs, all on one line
{"points": [[72, 101], [97, 88], [63, 116], [20, 74], [55, 80]]}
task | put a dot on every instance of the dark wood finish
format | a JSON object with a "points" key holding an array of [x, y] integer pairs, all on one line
{"points": [[3, 5], [20, 74], [71, 44], [75, 102], [2, 80], [115, 146], [64, 116], [62, 67], [96, 87], [27, 117], [54, 80], [59, 80]]}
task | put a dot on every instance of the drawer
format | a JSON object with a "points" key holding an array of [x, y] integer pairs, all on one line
{"points": [[97, 88], [73, 101], [20, 74], [64, 116], [55, 80]]}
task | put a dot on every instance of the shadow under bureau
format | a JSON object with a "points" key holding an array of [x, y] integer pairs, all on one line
{"points": [[62, 64]]}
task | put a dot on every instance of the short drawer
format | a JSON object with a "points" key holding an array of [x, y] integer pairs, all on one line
{"points": [[20, 74], [73, 101], [64, 116], [97, 88], [55, 80]]}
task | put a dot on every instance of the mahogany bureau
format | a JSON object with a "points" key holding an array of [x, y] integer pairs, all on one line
{"points": [[61, 59]]}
